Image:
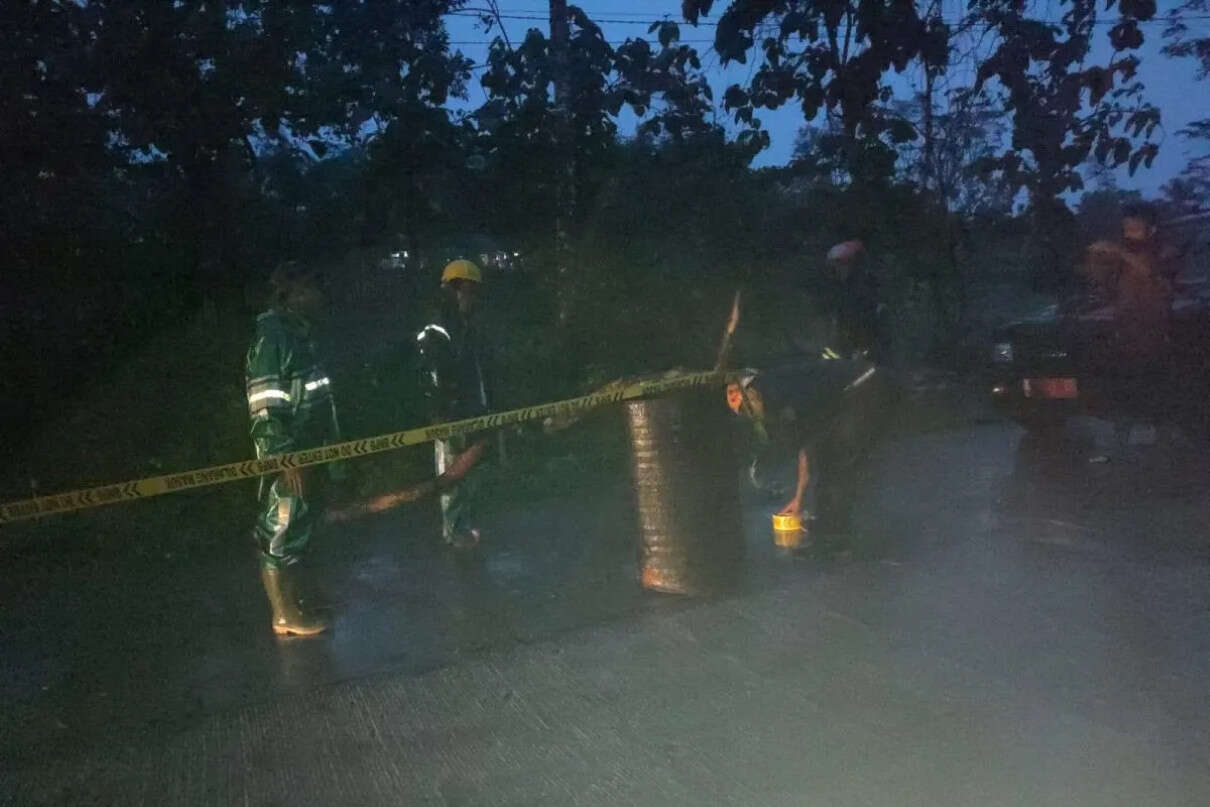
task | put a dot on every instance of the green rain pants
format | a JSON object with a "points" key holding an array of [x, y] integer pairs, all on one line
{"points": [[285, 521], [458, 501]]}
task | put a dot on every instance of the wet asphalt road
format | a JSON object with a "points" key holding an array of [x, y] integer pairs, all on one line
{"points": [[1034, 629]]}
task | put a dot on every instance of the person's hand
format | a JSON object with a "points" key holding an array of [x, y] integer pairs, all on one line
{"points": [[462, 464], [293, 481], [792, 508]]}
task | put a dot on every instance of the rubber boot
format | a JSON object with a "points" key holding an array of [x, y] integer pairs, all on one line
{"points": [[288, 617]]}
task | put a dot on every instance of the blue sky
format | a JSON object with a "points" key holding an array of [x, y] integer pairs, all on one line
{"points": [[1171, 84]]}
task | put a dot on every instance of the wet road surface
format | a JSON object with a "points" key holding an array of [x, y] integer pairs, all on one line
{"points": [[1029, 632]]}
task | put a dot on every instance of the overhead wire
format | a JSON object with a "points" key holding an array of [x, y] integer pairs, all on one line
{"points": [[533, 15], [513, 15]]}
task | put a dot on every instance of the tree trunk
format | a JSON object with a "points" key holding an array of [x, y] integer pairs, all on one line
{"points": [[560, 35], [926, 168]]}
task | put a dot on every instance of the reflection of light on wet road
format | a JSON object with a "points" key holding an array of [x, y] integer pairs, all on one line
{"points": [[377, 571], [508, 568]]}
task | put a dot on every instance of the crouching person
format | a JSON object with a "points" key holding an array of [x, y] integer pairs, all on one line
{"points": [[826, 415]]}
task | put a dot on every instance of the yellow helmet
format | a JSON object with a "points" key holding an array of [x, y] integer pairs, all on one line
{"points": [[461, 270]]}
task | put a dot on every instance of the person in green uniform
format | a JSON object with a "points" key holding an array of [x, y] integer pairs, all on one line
{"points": [[291, 409]]}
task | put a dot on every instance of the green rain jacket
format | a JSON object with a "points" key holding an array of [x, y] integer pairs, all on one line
{"points": [[289, 394]]}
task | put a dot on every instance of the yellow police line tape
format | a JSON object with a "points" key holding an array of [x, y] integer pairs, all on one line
{"points": [[203, 477]]}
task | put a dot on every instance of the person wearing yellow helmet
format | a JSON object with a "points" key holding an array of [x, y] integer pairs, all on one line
{"points": [[451, 365], [461, 270]]}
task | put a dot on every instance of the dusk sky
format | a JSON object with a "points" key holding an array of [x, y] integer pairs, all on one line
{"points": [[1171, 83]]}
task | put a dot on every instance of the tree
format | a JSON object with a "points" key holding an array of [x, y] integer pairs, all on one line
{"points": [[56, 164], [968, 131], [202, 87], [1190, 192], [818, 153], [1182, 43], [1063, 109], [536, 134], [829, 56]]}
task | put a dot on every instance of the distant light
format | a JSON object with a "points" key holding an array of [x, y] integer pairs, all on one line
{"points": [[999, 389], [1002, 353]]}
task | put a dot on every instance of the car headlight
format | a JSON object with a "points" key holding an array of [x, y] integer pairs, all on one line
{"points": [[1002, 352]]}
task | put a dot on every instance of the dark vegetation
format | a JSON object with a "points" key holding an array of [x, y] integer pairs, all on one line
{"points": [[160, 158]]}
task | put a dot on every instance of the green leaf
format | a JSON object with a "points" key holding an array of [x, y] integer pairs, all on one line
{"points": [[901, 131], [734, 97], [669, 32], [1135, 159]]}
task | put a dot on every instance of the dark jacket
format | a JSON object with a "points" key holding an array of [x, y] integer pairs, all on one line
{"points": [[451, 367]]}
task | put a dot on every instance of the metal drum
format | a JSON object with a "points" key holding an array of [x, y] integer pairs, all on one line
{"points": [[686, 489]]}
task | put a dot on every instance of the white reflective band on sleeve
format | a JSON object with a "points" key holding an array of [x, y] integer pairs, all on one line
{"points": [[280, 395], [317, 383], [423, 333], [861, 379]]}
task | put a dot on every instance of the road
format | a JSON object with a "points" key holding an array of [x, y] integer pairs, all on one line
{"points": [[1034, 630]]}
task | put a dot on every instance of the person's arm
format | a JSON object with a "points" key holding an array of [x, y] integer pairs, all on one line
{"points": [[794, 506], [462, 464], [432, 347]]}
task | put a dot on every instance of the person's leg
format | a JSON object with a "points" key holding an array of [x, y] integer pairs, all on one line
{"points": [[458, 501], [834, 500], [843, 467], [829, 470], [283, 532], [284, 526], [443, 455]]}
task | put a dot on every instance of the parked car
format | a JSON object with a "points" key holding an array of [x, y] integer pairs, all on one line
{"points": [[1060, 361]]}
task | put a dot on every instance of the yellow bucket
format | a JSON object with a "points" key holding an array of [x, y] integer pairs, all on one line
{"points": [[788, 531], [786, 523]]}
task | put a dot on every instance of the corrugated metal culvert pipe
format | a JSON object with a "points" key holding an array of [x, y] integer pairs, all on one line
{"points": [[686, 489]]}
